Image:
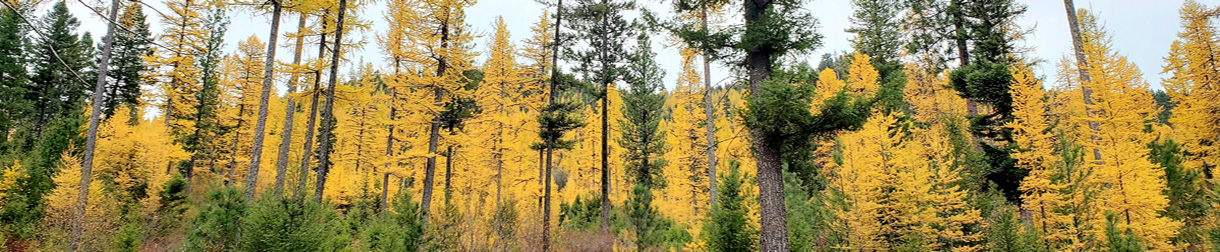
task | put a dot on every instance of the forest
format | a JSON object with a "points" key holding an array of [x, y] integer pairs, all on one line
{"points": [[934, 133]]}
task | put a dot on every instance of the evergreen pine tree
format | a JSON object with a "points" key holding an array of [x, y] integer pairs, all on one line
{"points": [[127, 67], [729, 227]]}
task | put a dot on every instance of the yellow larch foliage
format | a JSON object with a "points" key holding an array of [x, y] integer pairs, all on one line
{"points": [[863, 79], [828, 86], [177, 72], [929, 94], [1041, 191], [1192, 85], [862, 173], [504, 164], [361, 141], [1133, 185], [100, 214], [8, 179], [134, 157], [684, 198], [240, 85]]}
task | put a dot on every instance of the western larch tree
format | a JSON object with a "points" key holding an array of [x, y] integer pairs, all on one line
{"points": [[686, 182], [600, 32], [1192, 66], [328, 118], [179, 75], [698, 36], [260, 126], [442, 47], [1041, 189], [1132, 184], [241, 87], [281, 161], [500, 97]]}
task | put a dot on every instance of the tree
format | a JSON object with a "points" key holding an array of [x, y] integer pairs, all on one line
{"points": [[268, 75], [14, 80], [281, 161], [763, 20], [219, 223], [876, 24], [684, 195], [728, 228], [94, 120], [328, 109], [443, 50], [287, 224], [698, 38], [1192, 65], [128, 68], [60, 59], [188, 100], [1122, 107], [1041, 189], [644, 146], [500, 97], [601, 33]]}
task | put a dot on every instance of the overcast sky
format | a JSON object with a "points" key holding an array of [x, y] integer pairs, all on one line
{"points": [[1141, 29]]}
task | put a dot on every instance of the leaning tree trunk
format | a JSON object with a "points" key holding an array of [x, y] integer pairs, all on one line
{"points": [[281, 163], [774, 224], [307, 153], [328, 110], [1083, 65], [709, 111], [256, 153], [95, 116]]}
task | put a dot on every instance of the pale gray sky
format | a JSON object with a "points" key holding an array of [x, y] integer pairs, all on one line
{"points": [[1141, 29]]}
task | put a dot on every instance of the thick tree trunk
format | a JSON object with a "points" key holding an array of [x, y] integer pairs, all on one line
{"points": [[99, 88], [774, 224], [260, 127], [1083, 65], [960, 35], [307, 153], [709, 109], [281, 163], [328, 110]]}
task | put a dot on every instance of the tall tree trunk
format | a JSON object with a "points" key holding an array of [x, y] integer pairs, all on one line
{"points": [[550, 143], [328, 110], [709, 110], [499, 155], [307, 153], [281, 163], [260, 127], [95, 116], [774, 223], [1083, 65], [605, 218], [435, 131]]}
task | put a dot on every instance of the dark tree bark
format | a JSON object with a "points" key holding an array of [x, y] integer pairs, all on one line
{"points": [[774, 224], [328, 110]]}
